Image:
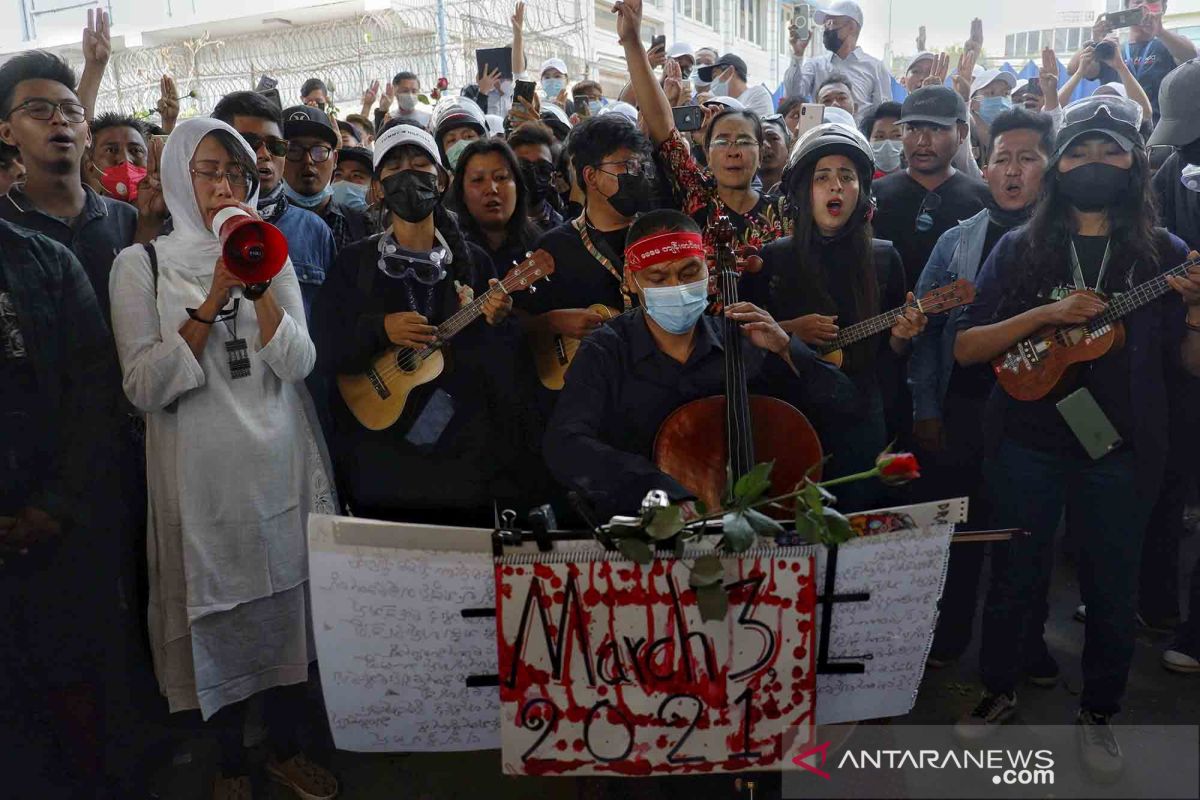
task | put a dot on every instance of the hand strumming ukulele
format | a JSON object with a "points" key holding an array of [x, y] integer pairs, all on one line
{"points": [[377, 396], [937, 301], [553, 352], [1032, 368]]}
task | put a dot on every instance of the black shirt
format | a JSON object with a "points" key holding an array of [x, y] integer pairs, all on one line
{"points": [[20, 460], [621, 387], [104, 228], [899, 198], [347, 225], [579, 280], [1179, 205]]}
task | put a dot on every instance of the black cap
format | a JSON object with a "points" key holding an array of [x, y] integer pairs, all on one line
{"points": [[705, 73], [360, 154], [939, 105], [309, 121]]}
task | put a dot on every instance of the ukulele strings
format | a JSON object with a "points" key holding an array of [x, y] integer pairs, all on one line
{"points": [[930, 304]]}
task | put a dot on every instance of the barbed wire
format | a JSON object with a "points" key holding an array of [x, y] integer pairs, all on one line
{"points": [[347, 53]]}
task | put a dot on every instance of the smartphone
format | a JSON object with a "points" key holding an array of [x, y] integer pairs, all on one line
{"points": [[525, 89], [273, 96], [811, 115], [580, 101], [687, 118], [1089, 423], [266, 82], [1126, 18], [802, 19], [658, 41]]}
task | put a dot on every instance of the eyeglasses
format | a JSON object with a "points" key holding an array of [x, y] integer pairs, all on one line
{"points": [[319, 153], [542, 169], [43, 110], [238, 179], [632, 166], [740, 143], [931, 203], [275, 146]]}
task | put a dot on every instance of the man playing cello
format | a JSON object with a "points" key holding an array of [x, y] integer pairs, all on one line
{"points": [[631, 374]]}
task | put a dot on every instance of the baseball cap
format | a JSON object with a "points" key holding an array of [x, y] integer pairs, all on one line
{"points": [[360, 154], [309, 121], [990, 76], [839, 116], [679, 50], [940, 105], [1178, 99], [728, 60], [455, 112], [553, 63], [839, 8], [400, 135], [624, 109], [919, 57], [1116, 117], [557, 119]]}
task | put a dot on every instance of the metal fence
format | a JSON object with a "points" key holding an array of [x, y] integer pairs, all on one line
{"points": [[347, 53]]}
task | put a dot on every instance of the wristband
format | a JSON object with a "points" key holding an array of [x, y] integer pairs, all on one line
{"points": [[191, 312]]}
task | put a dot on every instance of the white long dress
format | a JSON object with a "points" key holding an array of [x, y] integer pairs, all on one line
{"points": [[233, 469]]}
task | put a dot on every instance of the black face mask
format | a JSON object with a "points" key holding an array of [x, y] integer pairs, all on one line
{"points": [[1094, 187], [832, 40], [1191, 152], [537, 183], [411, 195], [634, 194]]}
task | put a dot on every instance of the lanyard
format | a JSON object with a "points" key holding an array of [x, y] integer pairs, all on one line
{"points": [[1141, 69], [580, 225], [1078, 270]]}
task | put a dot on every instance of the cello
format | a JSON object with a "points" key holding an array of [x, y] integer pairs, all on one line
{"points": [[757, 428]]}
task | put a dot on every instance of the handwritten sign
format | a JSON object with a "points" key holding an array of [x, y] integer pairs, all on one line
{"points": [[394, 647], [607, 668], [888, 633]]}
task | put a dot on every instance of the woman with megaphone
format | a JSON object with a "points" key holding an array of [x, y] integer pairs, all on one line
{"points": [[214, 348]]}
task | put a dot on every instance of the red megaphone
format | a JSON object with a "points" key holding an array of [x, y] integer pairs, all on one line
{"points": [[254, 251]]}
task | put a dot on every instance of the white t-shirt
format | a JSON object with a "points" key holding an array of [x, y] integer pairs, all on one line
{"points": [[758, 100]]}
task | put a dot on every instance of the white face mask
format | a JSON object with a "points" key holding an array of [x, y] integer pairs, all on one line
{"points": [[719, 88], [1191, 177], [887, 155]]}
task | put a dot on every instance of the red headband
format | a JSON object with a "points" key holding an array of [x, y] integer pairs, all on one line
{"points": [[663, 247]]}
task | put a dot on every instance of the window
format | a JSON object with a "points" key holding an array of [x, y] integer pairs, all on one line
{"points": [[1192, 33], [1113, 5], [1047, 40], [1020, 50], [1034, 44], [1060, 39], [1073, 39], [699, 10], [750, 22], [1008, 45]]}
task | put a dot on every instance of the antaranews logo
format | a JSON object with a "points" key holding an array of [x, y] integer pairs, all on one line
{"points": [[1007, 767]]}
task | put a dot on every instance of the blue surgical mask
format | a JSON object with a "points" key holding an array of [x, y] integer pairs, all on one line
{"points": [[552, 86], [350, 195], [992, 107], [594, 106], [676, 308], [309, 201]]}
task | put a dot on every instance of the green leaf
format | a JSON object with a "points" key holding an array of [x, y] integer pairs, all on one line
{"points": [[739, 533], [636, 550], [753, 485], [706, 571], [665, 522], [811, 494], [712, 602], [701, 507], [838, 526], [809, 526], [625, 531]]}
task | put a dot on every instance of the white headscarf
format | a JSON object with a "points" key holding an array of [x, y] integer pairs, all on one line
{"points": [[190, 241]]}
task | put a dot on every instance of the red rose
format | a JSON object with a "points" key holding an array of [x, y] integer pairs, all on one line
{"points": [[442, 83], [897, 468]]}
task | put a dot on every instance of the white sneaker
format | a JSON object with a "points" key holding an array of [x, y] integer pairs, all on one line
{"points": [[1176, 659], [1098, 748], [992, 711]]}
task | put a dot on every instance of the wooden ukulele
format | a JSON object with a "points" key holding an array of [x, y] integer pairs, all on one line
{"points": [[377, 396], [553, 352], [937, 301], [1033, 367]]}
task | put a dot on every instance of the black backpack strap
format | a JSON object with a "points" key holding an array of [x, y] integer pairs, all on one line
{"points": [[153, 264]]}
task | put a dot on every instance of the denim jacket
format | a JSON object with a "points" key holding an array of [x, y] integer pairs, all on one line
{"points": [[311, 247], [957, 254]]}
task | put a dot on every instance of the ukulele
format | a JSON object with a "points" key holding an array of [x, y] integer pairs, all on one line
{"points": [[937, 301], [553, 352], [377, 396], [1033, 367]]}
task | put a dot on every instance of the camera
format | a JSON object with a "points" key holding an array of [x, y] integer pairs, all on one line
{"points": [[1105, 50]]}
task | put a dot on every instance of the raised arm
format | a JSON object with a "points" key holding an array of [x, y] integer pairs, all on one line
{"points": [[518, 40], [652, 101], [1180, 47], [97, 47]]}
